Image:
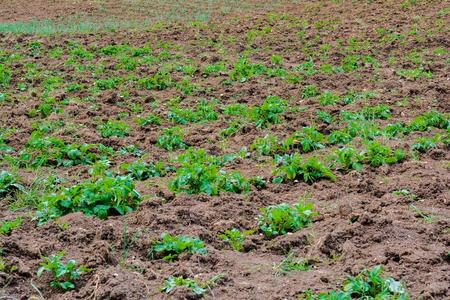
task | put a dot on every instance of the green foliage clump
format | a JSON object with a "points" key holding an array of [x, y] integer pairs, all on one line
{"points": [[5, 76], [324, 116], [377, 154], [306, 140], [7, 226], [171, 139], [295, 166], [108, 83], [328, 98], [368, 284], [268, 112], [113, 128], [267, 145], [423, 144], [243, 70], [199, 178], [173, 281], [169, 247], [63, 275], [380, 111], [212, 69], [309, 91], [280, 219], [103, 197], [235, 238], [150, 119], [346, 159], [141, 170], [159, 81], [8, 183], [339, 137], [204, 111]]}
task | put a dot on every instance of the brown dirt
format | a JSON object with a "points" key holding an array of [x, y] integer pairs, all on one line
{"points": [[387, 230]]}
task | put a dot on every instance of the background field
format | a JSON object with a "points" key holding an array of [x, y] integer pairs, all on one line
{"points": [[340, 104]]}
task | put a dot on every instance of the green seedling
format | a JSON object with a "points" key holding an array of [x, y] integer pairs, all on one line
{"points": [[235, 238], [169, 247]]}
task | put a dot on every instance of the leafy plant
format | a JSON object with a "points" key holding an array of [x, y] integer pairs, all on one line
{"points": [[423, 144], [243, 70], [103, 197], [267, 145], [172, 282], [169, 247], [5, 76], [295, 167], [171, 139], [7, 226], [377, 154], [235, 238], [113, 128], [339, 137], [307, 139], [8, 183], [150, 119], [280, 219], [368, 284], [204, 112], [347, 159], [309, 91], [63, 275], [328, 98], [324, 116], [268, 111], [159, 81], [141, 170], [380, 111]]}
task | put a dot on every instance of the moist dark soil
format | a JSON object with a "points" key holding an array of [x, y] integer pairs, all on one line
{"points": [[362, 223]]}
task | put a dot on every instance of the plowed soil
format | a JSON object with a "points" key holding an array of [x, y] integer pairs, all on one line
{"points": [[362, 221]]}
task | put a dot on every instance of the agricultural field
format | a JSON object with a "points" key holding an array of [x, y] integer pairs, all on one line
{"points": [[225, 149]]}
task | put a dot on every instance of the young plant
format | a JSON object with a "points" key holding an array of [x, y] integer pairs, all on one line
{"points": [[328, 98], [171, 139], [141, 170], [423, 144], [346, 159], [235, 238], [268, 112], [5, 76], [169, 247], [7, 226], [150, 119], [307, 140], [295, 167], [63, 275], [173, 281], [113, 128], [280, 219], [159, 81], [243, 70], [267, 145], [101, 198], [324, 116], [8, 183], [377, 155], [368, 284]]}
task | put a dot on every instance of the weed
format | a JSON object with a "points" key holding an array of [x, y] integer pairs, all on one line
{"points": [[280, 219], [169, 247], [235, 238], [5, 76], [172, 282], [64, 275]]}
